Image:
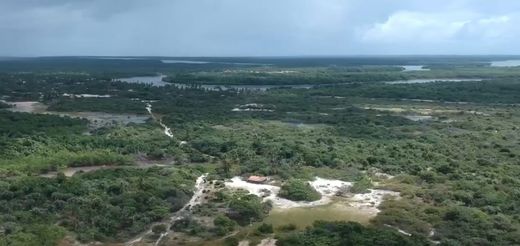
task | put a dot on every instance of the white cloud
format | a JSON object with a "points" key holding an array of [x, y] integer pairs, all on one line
{"points": [[258, 27], [420, 27], [492, 28]]}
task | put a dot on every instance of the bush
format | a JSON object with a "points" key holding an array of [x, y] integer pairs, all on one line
{"points": [[223, 224], [246, 208], [265, 228], [299, 190], [158, 229], [288, 227], [156, 154], [361, 186], [188, 225], [231, 241]]}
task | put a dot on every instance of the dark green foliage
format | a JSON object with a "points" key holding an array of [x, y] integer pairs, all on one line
{"points": [[156, 154], [231, 241], [457, 173], [245, 208], [347, 233], [287, 228], [116, 105], [159, 228], [4, 105], [105, 205], [223, 224], [31, 235], [20, 124], [494, 91], [265, 228], [362, 185], [299, 190], [188, 225], [477, 227]]}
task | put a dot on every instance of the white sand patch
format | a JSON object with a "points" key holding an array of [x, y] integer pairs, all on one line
{"points": [[326, 187], [419, 117], [267, 242], [149, 108], [243, 243], [412, 68], [370, 201], [329, 187], [251, 110], [27, 107], [422, 81], [399, 230], [85, 95], [425, 111], [96, 119], [167, 131], [253, 107]]}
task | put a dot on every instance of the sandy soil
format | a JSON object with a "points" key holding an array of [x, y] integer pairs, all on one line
{"points": [[96, 119], [27, 107], [167, 131], [328, 189]]}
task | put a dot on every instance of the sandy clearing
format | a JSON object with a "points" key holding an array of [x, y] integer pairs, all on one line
{"points": [[267, 242], [326, 187], [424, 111]]}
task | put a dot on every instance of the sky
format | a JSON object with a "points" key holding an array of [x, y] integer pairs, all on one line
{"points": [[258, 27]]}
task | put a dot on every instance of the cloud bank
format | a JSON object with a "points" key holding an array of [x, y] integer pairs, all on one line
{"points": [[258, 28]]}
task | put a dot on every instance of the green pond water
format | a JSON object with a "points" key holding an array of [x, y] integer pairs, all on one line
{"points": [[303, 217]]}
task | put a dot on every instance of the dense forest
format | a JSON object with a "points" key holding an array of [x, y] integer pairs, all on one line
{"points": [[449, 149]]}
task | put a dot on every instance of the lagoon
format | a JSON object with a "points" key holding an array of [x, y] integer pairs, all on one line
{"points": [[506, 63]]}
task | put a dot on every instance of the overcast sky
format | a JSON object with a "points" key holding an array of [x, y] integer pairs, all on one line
{"points": [[258, 27]]}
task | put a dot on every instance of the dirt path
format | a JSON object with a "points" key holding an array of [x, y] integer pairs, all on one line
{"points": [[200, 185], [167, 131]]}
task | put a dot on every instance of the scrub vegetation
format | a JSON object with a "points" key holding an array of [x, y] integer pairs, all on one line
{"points": [[457, 170]]}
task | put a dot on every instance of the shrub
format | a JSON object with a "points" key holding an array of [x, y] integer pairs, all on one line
{"points": [[362, 185], [223, 224], [288, 227], [299, 190], [158, 229], [265, 228]]}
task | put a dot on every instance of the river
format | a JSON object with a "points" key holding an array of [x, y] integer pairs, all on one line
{"points": [[422, 81], [413, 68], [506, 63], [158, 81]]}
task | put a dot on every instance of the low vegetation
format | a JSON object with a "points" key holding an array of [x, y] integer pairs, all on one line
{"points": [[457, 171], [347, 233], [299, 190], [106, 205]]}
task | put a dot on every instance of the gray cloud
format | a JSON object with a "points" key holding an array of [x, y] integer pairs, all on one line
{"points": [[254, 27]]}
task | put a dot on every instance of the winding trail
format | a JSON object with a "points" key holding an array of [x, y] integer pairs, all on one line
{"points": [[167, 131], [200, 185]]}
